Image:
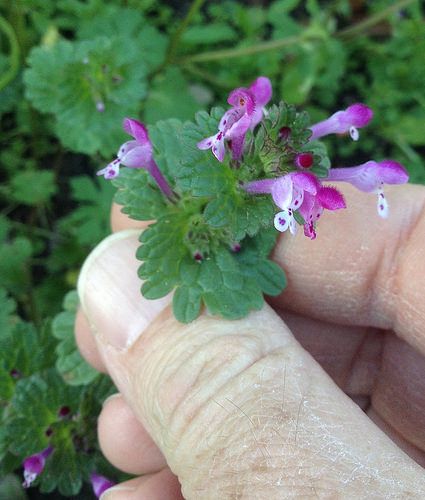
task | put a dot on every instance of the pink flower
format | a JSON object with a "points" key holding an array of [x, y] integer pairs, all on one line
{"points": [[246, 112], [34, 465], [137, 153], [354, 117], [100, 484], [371, 177], [302, 192], [327, 197]]}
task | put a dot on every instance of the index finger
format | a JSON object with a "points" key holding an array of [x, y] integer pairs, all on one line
{"points": [[361, 269]]}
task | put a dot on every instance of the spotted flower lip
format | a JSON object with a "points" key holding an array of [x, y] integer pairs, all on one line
{"points": [[246, 112], [371, 177], [137, 153], [350, 120], [298, 191], [100, 484], [34, 466]]}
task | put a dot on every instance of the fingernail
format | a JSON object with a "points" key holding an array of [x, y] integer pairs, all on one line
{"points": [[115, 492], [109, 291], [111, 397]]}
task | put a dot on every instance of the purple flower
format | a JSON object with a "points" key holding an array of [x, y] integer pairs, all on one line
{"points": [[354, 117], [100, 483], [34, 465], [327, 197], [132, 154], [370, 177], [137, 153], [300, 191], [246, 112]]}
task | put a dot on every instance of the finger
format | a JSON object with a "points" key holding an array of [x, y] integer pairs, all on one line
{"points": [[398, 396], [124, 441], [86, 343], [121, 221], [361, 269], [84, 338], [234, 406], [351, 355], [162, 485]]}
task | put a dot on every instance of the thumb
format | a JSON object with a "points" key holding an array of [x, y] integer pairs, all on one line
{"points": [[238, 408]]}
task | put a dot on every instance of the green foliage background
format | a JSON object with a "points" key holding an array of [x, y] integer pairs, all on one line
{"points": [[152, 60]]}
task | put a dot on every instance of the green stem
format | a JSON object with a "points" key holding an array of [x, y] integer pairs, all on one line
{"points": [[175, 38], [349, 32], [208, 77], [14, 55], [216, 55], [362, 26]]}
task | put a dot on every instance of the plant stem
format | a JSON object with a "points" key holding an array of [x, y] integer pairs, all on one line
{"points": [[163, 185], [216, 55], [349, 32], [14, 54], [362, 26], [175, 38]]}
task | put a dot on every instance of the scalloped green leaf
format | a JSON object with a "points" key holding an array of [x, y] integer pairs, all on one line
{"points": [[70, 79], [139, 197], [69, 363]]}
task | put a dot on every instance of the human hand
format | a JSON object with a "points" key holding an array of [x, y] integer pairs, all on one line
{"points": [[238, 409]]}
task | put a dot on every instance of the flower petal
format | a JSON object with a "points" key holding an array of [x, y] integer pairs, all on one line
{"points": [[111, 171], [305, 181], [358, 115], [242, 98], [382, 204], [138, 157], [206, 143], [282, 191], [370, 175], [239, 128], [136, 129], [126, 147], [330, 198], [282, 221], [261, 88]]}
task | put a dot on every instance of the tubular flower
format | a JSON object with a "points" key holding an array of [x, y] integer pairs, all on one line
{"points": [[350, 120], [34, 465], [371, 177], [137, 153], [246, 112], [300, 191], [100, 484]]}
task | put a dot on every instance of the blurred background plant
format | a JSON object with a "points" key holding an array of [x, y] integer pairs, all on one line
{"points": [[70, 70]]}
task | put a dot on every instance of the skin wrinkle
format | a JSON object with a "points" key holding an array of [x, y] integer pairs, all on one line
{"points": [[294, 416], [203, 352], [360, 379], [295, 411]]}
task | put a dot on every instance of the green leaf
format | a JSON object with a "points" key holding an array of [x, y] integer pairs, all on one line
{"points": [[165, 97], [14, 262], [270, 277], [69, 79], [41, 397], [139, 196], [33, 188], [7, 308], [186, 303], [89, 222], [70, 364], [130, 24]]}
